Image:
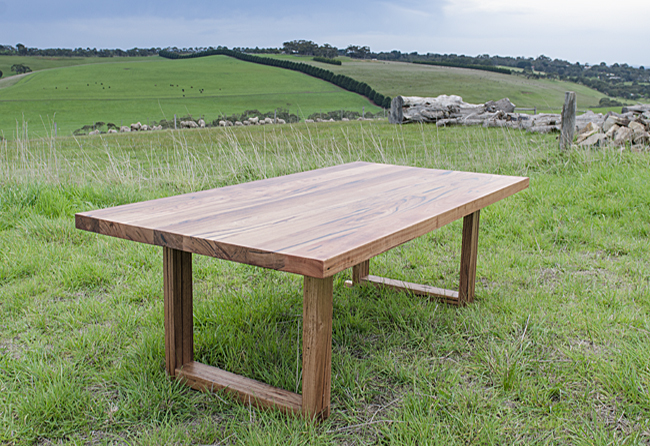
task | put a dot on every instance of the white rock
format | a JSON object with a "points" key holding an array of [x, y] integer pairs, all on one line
{"points": [[501, 105], [637, 127], [594, 140], [610, 122], [614, 120], [590, 128], [623, 135], [612, 131], [583, 136], [641, 138]]}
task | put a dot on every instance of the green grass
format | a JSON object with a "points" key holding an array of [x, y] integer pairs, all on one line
{"points": [[133, 90], [406, 79], [555, 350], [37, 63]]}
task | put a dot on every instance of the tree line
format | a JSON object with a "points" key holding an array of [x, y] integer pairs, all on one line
{"points": [[326, 60], [22, 50], [341, 80]]}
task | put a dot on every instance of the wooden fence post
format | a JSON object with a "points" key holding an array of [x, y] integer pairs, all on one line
{"points": [[568, 120]]}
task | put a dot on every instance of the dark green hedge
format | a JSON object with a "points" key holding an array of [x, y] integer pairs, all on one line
{"points": [[470, 66], [326, 60], [340, 80]]}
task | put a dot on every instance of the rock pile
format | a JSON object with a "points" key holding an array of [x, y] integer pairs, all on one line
{"points": [[617, 130], [449, 110], [631, 126]]}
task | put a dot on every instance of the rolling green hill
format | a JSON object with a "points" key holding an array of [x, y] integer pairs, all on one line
{"points": [[406, 79], [150, 89], [80, 91], [37, 63]]}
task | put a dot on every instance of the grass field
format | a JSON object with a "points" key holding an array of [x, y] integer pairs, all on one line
{"points": [[154, 88], [554, 351], [37, 63]]}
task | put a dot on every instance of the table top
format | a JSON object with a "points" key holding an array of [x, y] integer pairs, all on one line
{"points": [[313, 223]]}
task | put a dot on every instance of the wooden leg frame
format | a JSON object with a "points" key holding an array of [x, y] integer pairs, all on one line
{"points": [[317, 346], [317, 331], [465, 293]]}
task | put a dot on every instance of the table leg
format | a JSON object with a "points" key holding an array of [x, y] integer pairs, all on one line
{"points": [[360, 272], [179, 330], [468, 255], [317, 347]]}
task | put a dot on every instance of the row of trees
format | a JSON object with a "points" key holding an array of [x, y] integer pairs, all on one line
{"points": [[22, 50], [326, 60], [341, 80], [309, 48]]}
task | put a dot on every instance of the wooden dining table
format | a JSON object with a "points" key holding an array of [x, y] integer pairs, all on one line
{"points": [[315, 223]]}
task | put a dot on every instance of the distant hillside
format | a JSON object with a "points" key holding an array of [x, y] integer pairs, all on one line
{"points": [[617, 80], [399, 78], [147, 90]]}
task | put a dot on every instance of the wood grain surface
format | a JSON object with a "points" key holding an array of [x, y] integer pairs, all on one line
{"points": [[211, 379], [314, 223], [468, 254], [446, 296], [179, 319], [317, 346]]}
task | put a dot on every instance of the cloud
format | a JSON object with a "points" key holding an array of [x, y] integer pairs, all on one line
{"points": [[550, 16], [577, 30]]}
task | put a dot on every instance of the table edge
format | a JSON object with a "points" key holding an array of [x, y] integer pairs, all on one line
{"points": [[306, 266]]}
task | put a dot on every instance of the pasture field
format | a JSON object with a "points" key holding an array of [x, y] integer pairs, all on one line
{"points": [[555, 350], [131, 90], [406, 79], [37, 63]]}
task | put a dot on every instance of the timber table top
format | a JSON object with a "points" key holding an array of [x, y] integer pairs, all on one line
{"points": [[313, 223]]}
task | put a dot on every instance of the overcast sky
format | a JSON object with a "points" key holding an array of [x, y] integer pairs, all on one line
{"points": [[585, 31]]}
